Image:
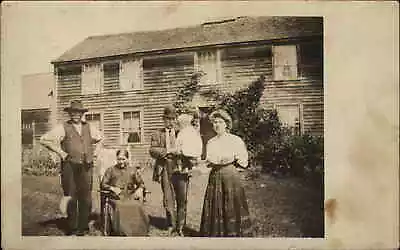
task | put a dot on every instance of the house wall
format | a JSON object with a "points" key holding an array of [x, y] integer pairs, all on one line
{"points": [[163, 75], [35, 123]]}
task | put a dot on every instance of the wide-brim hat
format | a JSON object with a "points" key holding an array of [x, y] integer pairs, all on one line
{"points": [[169, 112], [76, 105], [220, 113]]}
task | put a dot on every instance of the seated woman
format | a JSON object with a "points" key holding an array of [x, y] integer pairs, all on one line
{"points": [[128, 217]]}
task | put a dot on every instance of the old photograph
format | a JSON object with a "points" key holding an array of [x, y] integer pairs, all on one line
{"points": [[213, 129], [202, 125]]}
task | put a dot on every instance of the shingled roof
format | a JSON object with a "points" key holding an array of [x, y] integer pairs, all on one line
{"points": [[235, 30]]}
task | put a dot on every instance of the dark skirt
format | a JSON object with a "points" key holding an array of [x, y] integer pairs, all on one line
{"points": [[128, 218], [225, 209]]}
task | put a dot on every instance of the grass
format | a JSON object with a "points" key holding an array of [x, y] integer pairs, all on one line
{"points": [[283, 207]]}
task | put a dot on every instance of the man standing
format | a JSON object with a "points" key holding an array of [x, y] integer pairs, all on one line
{"points": [[73, 142], [174, 183]]}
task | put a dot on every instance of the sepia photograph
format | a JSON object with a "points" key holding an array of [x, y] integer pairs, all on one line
{"points": [[188, 131], [158, 120]]}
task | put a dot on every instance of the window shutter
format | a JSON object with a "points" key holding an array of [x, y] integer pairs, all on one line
{"points": [[91, 79], [131, 75], [208, 62]]}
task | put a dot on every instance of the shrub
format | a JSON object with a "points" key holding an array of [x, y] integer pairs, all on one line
{"points": [[278, 149], [39, 161]]}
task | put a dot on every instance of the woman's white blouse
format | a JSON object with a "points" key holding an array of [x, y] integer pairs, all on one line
{"points": [[227, 148]]}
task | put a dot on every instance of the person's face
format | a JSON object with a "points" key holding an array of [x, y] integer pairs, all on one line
{"points": [[122, 161], [76, 116], [169, 122], [219, 125]]}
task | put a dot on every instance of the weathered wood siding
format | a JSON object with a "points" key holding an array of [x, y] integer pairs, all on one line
{"points": [[163, 75], [243, 65]]}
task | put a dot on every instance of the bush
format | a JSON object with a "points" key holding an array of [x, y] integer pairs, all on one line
{"points": [[277, 149], [39, 161]]}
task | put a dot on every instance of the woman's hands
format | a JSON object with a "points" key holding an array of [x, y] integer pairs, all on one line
{"points": [[116, 190]]}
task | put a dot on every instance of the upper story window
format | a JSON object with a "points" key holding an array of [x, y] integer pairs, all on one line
{"points": [[131, 74], [111, 69], [285, 62], [91, 79], [209, 63]]}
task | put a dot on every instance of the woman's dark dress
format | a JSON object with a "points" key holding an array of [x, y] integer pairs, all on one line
{"points": [[128, 217]]}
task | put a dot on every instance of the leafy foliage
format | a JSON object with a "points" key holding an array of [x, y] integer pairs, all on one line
{"points": [[274, 147], [39, 161]]}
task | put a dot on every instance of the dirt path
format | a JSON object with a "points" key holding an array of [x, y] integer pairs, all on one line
{"points": [[284, 207]]}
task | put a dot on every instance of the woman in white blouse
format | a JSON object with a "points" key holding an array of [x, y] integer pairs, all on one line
{"points": [[225, 209]]}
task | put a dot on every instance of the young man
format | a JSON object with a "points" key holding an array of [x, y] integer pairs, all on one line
{"points": [[73, 142], [162, 150]]}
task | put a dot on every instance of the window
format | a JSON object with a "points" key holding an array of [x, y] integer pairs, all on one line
{"points": [[311, 60], [131, 75], [94, 119], [111, 70], [91, 79], [290, 116], [209, 63], [285, 62], [131, 127]]}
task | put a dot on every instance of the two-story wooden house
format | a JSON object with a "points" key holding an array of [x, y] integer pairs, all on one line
{"points": [[126, 79]]}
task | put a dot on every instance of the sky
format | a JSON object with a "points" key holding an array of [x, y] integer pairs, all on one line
{"points": [[34, 33], [43, 31]]}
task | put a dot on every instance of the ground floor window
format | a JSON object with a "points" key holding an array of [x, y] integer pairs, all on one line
{"points": [[290, 116], [131, 126]]}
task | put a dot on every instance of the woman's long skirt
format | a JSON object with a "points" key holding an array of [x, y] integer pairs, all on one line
{"points": [[225, 209]]}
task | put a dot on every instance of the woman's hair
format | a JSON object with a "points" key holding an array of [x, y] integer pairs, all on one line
{"points": [[123, 151], [220, 113]]}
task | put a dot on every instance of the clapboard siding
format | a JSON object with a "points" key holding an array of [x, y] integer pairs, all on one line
{"points": [[164, 75]]}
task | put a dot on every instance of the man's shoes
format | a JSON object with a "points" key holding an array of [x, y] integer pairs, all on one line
{"points": [[180, 233]]}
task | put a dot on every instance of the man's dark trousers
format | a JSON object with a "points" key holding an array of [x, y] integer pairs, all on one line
{"points": [[180, 182], [76, 181]]}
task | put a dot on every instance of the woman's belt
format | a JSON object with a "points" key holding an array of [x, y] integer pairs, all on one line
{"points": [[220, 165]]}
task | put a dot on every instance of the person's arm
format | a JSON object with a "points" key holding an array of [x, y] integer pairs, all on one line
{"points": [[105, 182], [156, 151], [241, 153], [97, 139], [136, 185], [52, 140]]}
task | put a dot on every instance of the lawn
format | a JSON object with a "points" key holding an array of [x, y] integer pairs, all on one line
{"points": [[284, 207]]}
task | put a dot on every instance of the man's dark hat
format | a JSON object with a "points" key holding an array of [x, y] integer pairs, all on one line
{"points": [[76, 105], [169, 112]]}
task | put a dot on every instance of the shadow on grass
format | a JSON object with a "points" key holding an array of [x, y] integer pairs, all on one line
{"points": [[161, 224], [60, 223], [158, 222]]}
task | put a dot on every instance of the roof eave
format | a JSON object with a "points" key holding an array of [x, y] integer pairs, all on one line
{"points": [[188, 48]]}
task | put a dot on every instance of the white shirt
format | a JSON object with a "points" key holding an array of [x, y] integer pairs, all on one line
{"points": [[55, 136], [189, 142], [169, 142], [227, 148]]}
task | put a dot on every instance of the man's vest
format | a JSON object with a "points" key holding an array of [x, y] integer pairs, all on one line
{"points": [[78, 147]]}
